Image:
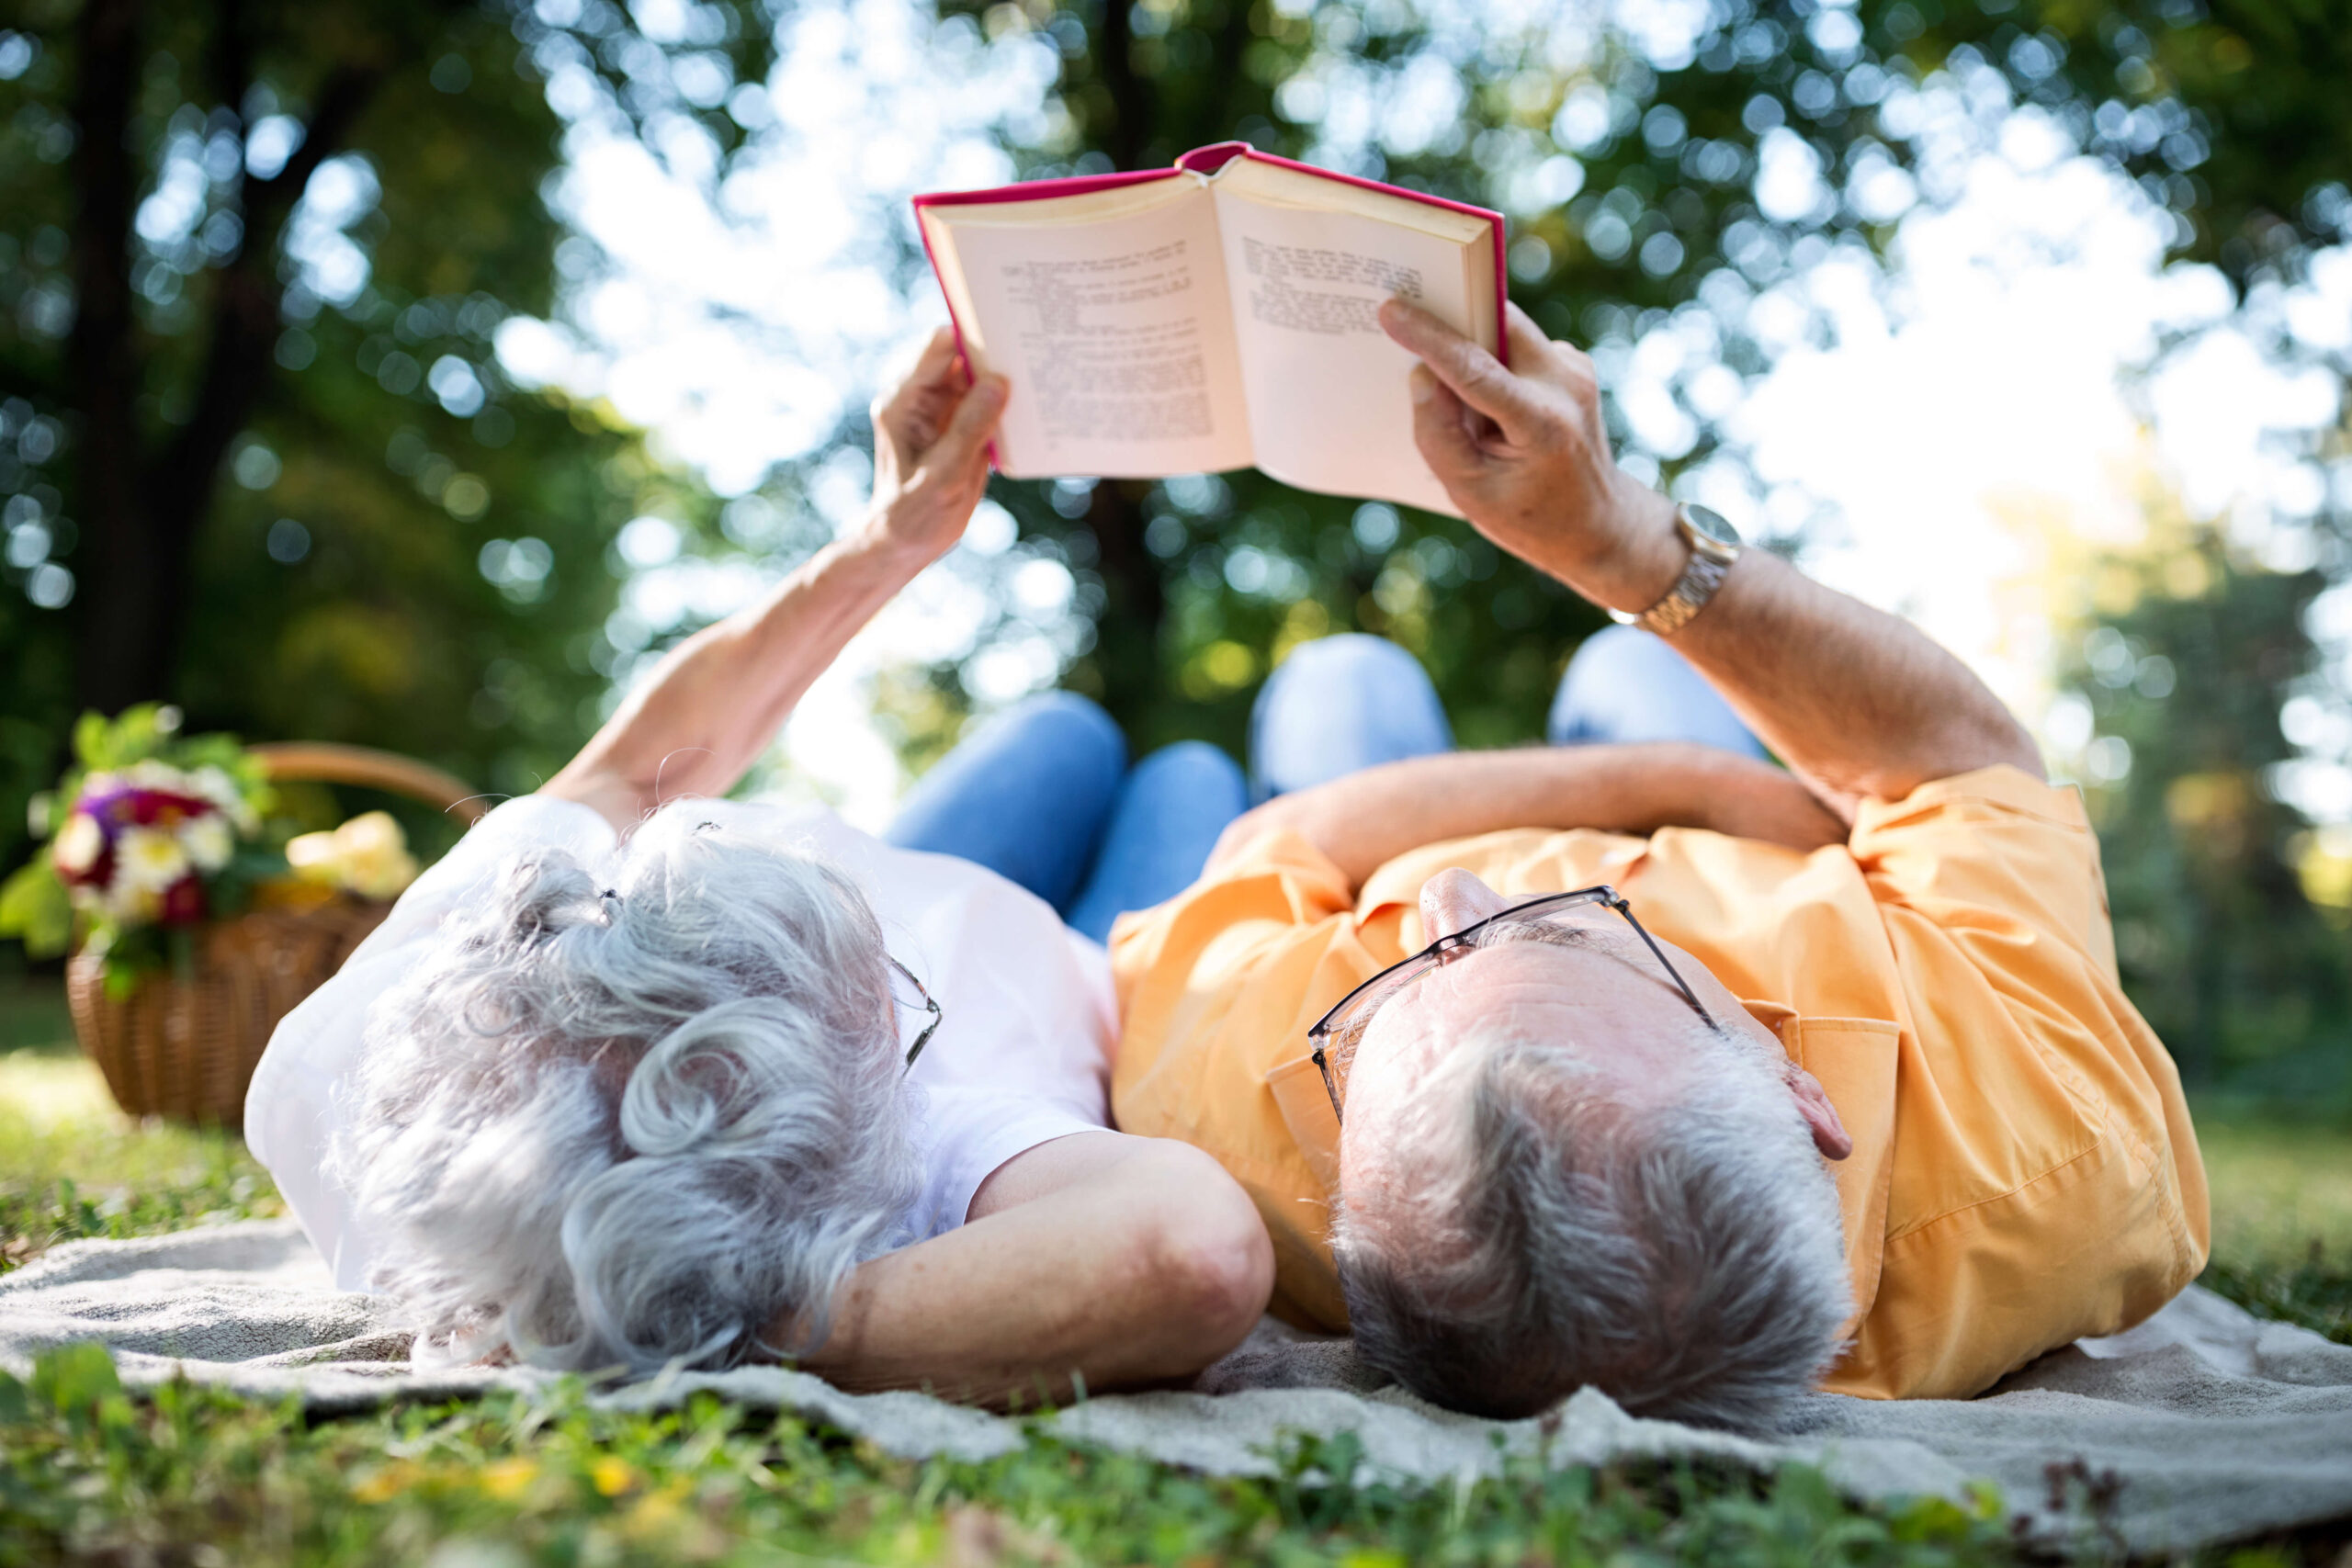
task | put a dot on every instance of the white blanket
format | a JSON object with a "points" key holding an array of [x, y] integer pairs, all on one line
{"points": [[2215, 1423]]}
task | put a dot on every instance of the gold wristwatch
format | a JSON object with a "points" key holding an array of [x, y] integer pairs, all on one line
{"points": [[1714, 545]]}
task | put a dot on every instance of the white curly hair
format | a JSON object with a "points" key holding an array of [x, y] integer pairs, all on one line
{"points": [[633, 1121]]}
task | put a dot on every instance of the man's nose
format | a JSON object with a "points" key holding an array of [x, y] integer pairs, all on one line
{"points": [[1452, 901]]}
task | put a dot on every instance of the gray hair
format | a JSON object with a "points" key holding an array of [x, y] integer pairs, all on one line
{"points": [[1687, 1257], [636, 1124]]}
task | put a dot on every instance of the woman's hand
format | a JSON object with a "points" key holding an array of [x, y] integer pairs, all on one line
{"points": [[717, 698], [931, 452]]}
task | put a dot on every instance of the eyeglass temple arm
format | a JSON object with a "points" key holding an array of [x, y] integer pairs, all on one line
{"points": [[1649, 942], [1323, 1066]]}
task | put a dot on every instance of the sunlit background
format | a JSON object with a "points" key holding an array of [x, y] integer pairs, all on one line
{"points": [[2003, 388], [1968, 306]]}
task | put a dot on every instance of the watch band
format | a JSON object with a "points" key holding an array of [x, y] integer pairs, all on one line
{"points": [[1711, 560]]}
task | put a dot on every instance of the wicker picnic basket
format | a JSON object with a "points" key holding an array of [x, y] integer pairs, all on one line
{"points": [[184, 1046]]}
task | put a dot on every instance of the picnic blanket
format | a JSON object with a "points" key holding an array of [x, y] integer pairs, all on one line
{"points": [[2203, 1424]]}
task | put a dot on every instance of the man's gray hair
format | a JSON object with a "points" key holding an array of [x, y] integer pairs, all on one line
{"points": [[628, 1125], [1684, 1257]]}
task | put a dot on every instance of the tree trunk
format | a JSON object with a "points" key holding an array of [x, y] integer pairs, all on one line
{"points": [[142, 511], [119, 658], [1127, 633]]}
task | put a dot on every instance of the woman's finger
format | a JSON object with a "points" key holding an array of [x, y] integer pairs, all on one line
{"points": [[933, 373], [967, 435]]}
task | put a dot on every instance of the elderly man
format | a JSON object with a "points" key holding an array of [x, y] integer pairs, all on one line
{"points": [[1643, 1063]]}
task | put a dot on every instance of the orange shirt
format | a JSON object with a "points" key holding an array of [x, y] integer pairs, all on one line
{"points": [[2024, 1172]]}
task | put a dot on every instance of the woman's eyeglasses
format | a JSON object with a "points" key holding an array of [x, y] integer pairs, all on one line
{"points": [[931, 1006], [1345, 1024]]}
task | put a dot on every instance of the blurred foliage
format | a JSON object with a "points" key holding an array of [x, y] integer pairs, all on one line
{"points": [[2233, 926], [257, 454]]}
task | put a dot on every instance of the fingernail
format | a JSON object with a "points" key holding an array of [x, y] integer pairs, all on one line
{"points": [[1423, 384], [992, 389]]}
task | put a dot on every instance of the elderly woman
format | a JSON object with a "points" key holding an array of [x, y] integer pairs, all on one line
{"points": [[637, 1075]]}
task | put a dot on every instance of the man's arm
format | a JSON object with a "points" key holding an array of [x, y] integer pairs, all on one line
{"points": [[1099, 1258], [719, 697], [1367, 818], [1855, 700]]}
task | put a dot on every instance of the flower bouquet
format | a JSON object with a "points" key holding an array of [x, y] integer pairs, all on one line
{"points": [[197, 917], [149, 837]]}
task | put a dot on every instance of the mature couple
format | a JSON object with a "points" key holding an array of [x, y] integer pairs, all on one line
{"points": [[1634, 1060]]}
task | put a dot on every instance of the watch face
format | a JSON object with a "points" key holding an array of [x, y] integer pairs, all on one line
{"points": [[1711, 523]]}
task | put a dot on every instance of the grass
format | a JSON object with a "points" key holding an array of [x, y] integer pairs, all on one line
{"points": [[195, 1477]]}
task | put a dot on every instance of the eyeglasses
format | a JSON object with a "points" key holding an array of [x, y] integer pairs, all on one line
{"points": [[1345, 1024], [931, 1006]]}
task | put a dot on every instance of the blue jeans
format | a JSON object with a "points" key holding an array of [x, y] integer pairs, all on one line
{"points": [[1042, 794], [1353, 701]]}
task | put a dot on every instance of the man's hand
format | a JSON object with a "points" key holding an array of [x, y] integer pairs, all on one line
{"points": [[930, 451], [1859, 704], [1523, 453]]}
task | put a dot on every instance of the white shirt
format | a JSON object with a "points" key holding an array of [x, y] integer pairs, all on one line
{"points": [[1021, 1056]]}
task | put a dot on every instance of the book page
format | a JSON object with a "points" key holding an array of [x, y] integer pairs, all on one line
{"points": [[1114, 330], [1329, 407]]}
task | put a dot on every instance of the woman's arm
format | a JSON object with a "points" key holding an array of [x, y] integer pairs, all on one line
{"points": [[1096, 1259], [719, 697], [1368, 819]]}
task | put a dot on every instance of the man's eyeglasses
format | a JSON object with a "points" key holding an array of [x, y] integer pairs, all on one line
{"points": [[1344, 1025], [931, 1006]]}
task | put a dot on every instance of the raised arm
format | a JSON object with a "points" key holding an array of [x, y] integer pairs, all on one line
{"points": [[1857, 701], [716, 699]]}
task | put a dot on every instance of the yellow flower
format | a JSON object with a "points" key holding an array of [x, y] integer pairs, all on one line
{"points": [[384, 1482], [375, 856], [509, 1478], [611, 1476], [312, 858], [367, 855]]}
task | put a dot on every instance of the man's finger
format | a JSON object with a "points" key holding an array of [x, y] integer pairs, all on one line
{"points": [[1439, 429], [1527, 343], [1475, 375], [968, 434]]}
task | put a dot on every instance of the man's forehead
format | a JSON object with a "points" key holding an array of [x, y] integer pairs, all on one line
{"points": [[1571, 966]]}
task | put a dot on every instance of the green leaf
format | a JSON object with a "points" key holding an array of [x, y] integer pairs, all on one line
{"points": [[122, 976], [75, 1379], [92, 740], [35, 907]]}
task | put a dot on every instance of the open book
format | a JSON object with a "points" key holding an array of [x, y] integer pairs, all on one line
{"points": [[1214, 315]]}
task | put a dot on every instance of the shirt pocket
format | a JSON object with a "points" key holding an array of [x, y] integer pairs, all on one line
{"points": [[1854, 1061]]}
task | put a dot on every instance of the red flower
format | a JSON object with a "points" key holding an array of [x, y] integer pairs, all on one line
{"points": [[184, 902], [158, 807]]}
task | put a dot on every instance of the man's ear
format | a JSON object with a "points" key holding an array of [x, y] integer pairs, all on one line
{"points": [[1829, 1135]]}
